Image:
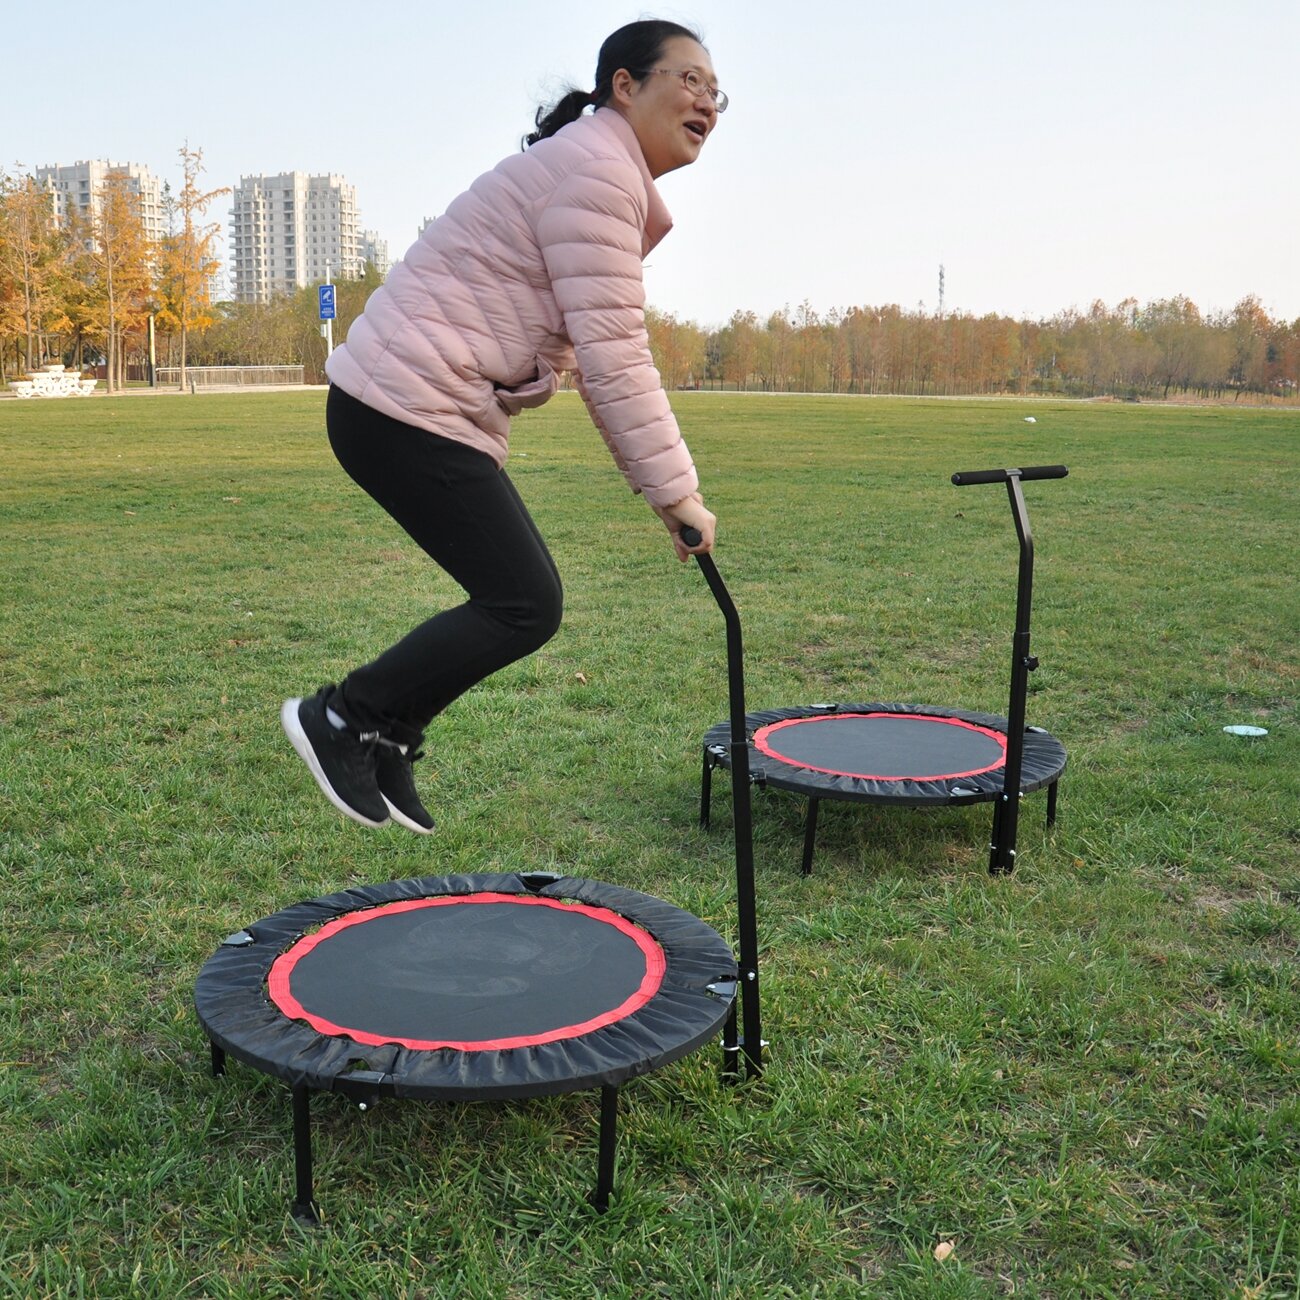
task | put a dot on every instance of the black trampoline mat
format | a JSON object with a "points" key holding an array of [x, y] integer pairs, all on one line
{"points": [[884, 746], [472, 972]]}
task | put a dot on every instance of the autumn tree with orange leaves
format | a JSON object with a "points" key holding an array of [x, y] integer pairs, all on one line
{"points": [[186, 260], [32, 258], [114, 268]]}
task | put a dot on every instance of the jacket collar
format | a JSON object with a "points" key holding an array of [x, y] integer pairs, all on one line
{"points": [[659, 220]]}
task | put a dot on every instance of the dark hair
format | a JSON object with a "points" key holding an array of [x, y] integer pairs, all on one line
{"points": [[636, 47]]}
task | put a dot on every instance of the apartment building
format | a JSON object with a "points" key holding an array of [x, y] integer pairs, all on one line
{"points": [[290, 230], [77, 187], [374, 249]]}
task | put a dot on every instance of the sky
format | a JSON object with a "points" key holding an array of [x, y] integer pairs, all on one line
{"points": [[1046, 154]]}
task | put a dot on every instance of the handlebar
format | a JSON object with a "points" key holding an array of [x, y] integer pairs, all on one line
{"points": [[967, 477]]}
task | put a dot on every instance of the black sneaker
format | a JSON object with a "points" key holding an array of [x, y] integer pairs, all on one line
{"points": [[397, 787], [343, 765]]}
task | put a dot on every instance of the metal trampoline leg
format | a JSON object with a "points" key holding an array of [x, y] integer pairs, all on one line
{"points": [[809, 835], [218, 1061], [599, 1198], [1051, 804], [304, 1207], [1002, 843], [731, 1047], [706, 789]]}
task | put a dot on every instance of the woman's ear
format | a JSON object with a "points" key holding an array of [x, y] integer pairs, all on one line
{"points": [[621, 85]]}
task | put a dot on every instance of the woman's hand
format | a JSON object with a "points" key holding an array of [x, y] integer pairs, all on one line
{"points": [[689, 513]]}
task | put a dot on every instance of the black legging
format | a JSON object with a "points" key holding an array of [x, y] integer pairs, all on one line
{"points": [[463, 512]]}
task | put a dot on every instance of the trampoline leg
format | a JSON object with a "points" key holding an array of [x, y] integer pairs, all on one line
{"points": [[1002, 846], [706, 788], [809, 835], [304, 1208], [1051, 804], [731, 1047], [218, 1061], [599, 1198]]}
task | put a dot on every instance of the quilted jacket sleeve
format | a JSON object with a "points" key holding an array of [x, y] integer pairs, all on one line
{"points": [[590, 234]]}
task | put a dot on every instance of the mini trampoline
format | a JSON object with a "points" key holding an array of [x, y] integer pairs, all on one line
{"points": [[922, 755], [482, 987], [466, 988]]}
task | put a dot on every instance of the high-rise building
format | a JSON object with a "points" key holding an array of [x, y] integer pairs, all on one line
{"points": [[374, 250], [292, 230], [77, 187]]}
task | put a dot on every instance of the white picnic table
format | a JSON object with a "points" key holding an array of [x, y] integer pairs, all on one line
{"points": [[53, 381]]}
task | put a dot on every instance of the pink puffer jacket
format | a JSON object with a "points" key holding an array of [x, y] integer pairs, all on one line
{"points": [[534, 270]]}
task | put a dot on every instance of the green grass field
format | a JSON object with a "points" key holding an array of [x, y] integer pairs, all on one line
{"points": [[1083, 1076]]}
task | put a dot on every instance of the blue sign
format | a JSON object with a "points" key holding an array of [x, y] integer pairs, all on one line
{"points": [[326, 292]]}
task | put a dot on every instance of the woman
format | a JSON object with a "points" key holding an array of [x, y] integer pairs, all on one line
{"points": [[534, 270]]}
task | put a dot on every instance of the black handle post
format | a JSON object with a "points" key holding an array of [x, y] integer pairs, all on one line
{"points": [[746, 903], [1006, 814]]}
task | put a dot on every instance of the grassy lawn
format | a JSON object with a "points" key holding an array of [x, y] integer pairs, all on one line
{"points": [[1082, 1076]]}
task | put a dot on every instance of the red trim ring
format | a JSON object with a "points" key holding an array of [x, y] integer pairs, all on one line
{"points": [[282, 970], [761, 744]]}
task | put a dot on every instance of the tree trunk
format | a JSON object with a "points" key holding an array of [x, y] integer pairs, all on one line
{"points": [[110, 366], [27, 312]]}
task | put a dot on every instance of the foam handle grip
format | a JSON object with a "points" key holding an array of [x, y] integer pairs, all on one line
{"points": [[691, 536], [966, 478]]}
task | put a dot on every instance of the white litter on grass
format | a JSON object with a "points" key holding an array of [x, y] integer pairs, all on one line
{"points": [[1246, 731], [1031, 419]]}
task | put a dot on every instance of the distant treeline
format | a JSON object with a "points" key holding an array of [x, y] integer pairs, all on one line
{"points": [[1128, 351], [78, 295]]}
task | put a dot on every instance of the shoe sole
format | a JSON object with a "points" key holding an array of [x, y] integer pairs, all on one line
{"points": [[397, 815], [299, 740]]}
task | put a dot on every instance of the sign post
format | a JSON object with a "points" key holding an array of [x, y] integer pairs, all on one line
{"points": [[327, 313]]}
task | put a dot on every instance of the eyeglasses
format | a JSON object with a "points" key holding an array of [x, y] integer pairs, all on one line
{"points": [[696, 85]]}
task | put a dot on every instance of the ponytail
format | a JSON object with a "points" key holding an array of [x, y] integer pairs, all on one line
{"points": [[566, 110]]}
